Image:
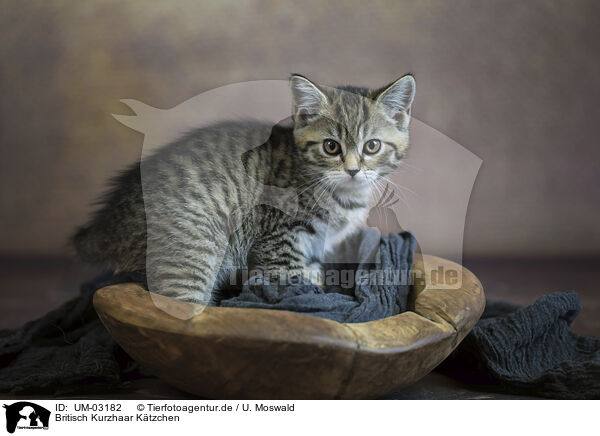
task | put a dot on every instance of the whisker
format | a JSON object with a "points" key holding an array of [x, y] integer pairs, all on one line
{"points": [[312, 183], [401, 194]]}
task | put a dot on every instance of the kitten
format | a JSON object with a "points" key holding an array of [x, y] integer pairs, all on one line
{"points": [[201, 216]]}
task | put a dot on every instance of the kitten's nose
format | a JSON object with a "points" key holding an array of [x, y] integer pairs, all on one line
{"points": [[352, 171]]}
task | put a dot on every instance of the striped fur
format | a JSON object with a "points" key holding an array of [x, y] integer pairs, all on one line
{"points": [[194, 212]]}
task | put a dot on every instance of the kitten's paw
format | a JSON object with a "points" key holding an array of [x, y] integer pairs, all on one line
{"points": [[314, 273]]}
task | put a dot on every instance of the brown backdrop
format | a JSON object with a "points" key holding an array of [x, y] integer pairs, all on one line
{"points": [[514, 82]]}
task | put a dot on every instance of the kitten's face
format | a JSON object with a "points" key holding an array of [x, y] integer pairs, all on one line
{"points": [[351, 137]]}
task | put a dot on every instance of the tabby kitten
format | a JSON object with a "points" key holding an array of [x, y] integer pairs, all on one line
{"points": [[200, 213]]}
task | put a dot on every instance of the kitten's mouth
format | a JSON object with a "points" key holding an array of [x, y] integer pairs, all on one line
{"points": [[359, 179], [353, 184]]}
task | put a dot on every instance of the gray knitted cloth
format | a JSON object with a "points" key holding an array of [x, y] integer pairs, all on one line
{"points": [[380, 270], [530, 350]]}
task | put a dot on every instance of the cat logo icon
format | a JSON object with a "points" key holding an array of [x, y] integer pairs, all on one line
{"points": [[26, 415]]}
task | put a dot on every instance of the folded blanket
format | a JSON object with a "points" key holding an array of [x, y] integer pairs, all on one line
{"points": [[522, 350]]}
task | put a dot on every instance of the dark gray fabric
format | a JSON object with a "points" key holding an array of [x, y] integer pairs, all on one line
{"points": [[530, 350], [381, 275], [67, 349]]}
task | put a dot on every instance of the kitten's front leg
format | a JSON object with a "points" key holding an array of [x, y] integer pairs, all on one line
{"points": [[283, 258], [185, 264]]}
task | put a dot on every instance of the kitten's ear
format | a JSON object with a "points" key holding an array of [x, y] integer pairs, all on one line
{"points": [[307, 98], [397, 98]]}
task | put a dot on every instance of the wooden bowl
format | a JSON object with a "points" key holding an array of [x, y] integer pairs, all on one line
{"points": [[269, 354]]}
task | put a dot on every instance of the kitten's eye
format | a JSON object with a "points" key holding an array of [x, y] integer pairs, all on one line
{"points": [[372, 146], [331, 147]]}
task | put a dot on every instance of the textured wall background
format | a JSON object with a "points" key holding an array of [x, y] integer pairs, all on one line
{"points": [[514, 82]]}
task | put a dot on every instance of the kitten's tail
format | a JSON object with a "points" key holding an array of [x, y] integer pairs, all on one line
{"points": [[90, 245]]}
